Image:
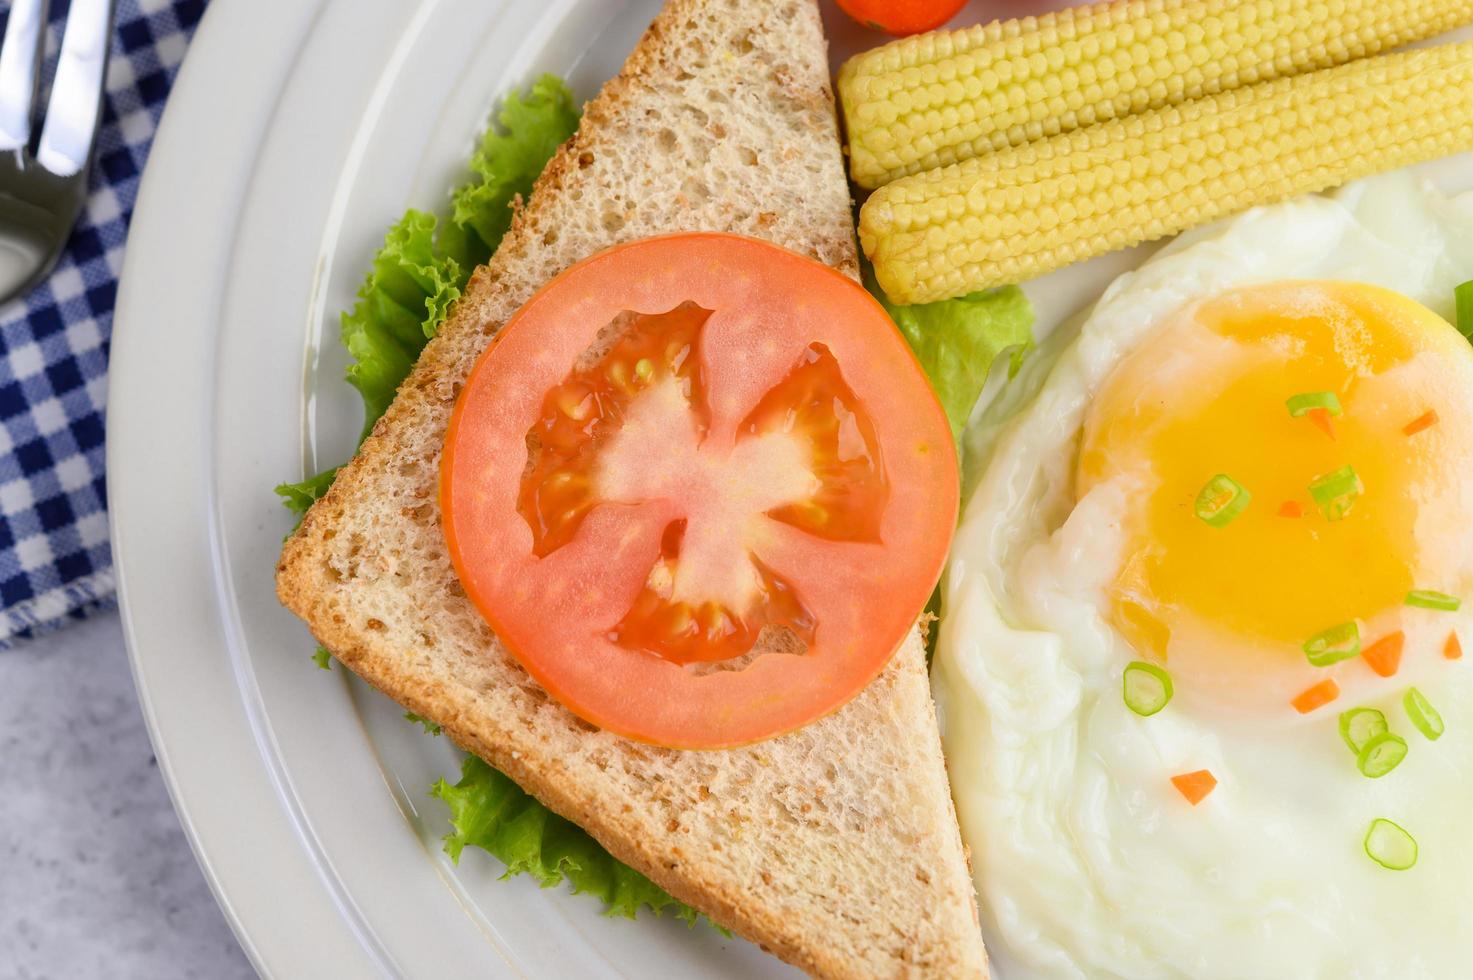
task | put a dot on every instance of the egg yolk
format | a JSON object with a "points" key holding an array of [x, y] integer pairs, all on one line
{"points": [[1205, 395]]}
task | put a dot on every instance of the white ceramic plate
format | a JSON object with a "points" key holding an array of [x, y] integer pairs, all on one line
{"points": [[297, 131]]}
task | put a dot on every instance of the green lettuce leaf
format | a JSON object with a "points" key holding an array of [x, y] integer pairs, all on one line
{"points": [[401, 305], [1463, 301], [430, 727], [531, 128], [490, 811], [322, 657], [297, 497], [424, 264], [958, 340]]}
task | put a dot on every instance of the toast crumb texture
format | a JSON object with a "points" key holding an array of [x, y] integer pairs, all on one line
{"points": [[836, 846]]}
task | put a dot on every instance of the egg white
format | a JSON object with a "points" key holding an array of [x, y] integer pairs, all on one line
{"points": [[1087, 861]]}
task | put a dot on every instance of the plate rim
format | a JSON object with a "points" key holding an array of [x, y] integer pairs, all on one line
{"points": [[230, 36]]}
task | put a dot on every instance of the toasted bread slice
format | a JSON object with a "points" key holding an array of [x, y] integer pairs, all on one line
{"points": [[836, 847]]}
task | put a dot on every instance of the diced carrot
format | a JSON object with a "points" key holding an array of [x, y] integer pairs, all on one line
{"points": [[1321, 418], [1316, 697], [1195, 785], [1291, 508], [1424, 421], [1453, 648], [1384, 655]]}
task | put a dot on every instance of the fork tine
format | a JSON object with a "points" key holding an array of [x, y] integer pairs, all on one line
{"points": [[20, 65], [76, 93]]}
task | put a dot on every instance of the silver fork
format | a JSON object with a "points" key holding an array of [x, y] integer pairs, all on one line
{"points": [[42, 191]]}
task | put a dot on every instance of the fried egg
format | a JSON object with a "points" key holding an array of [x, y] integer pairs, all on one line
{"points": [[1084, 547]]}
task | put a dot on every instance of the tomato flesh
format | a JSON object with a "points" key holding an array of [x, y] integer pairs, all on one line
{"points": [[700, 488], [557, 490], [838, 493], [687, 632], [852, 488]]}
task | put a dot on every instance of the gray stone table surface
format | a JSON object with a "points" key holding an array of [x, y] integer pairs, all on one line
{"points": [[96, 877]]}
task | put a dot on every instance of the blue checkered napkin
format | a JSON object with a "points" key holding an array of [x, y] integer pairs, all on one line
{"points": [[55, 561]]}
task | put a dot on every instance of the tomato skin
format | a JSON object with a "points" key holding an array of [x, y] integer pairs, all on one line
{"points": [[557, 614], [902, 17]]}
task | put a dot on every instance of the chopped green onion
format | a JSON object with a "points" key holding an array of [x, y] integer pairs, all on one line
{"points": [[1334, 644], [1390, 846], [1221, 500], [1359, 725], [1428, 599], [1422, 714], [1147, 688], [1381, 754], [1301, 405], [1463, 296], [1335, 492]]}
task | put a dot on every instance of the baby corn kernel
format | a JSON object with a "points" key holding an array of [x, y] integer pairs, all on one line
{"points": [[1027, 210], [940, 98]]}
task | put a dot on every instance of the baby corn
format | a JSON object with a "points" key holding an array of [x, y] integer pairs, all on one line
{"points": [[1025, 211], [936, 99]]}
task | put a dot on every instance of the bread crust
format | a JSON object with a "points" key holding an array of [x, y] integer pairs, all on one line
{"points": [[834, 847]]}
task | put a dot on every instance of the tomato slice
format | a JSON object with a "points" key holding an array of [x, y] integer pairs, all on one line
{"points": [[901, 17], [700, 489]]}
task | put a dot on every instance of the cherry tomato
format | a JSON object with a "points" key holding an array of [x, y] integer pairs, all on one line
{"points": [[901, 17], [700, 488]]}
